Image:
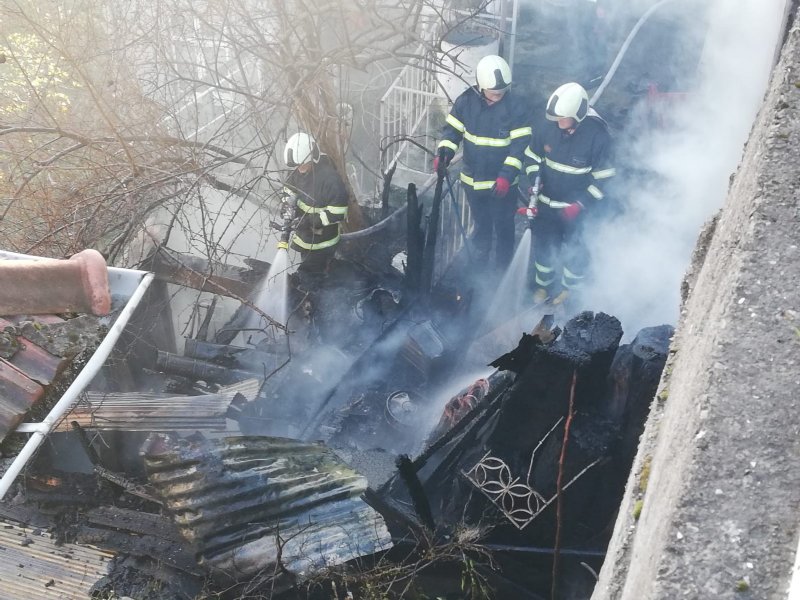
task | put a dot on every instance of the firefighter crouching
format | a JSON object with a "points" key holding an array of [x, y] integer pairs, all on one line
{"points": [[493, 124], [320, 205], [571, 154]]}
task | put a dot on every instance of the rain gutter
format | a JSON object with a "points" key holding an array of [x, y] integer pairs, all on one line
{"points": [[39, 431]]}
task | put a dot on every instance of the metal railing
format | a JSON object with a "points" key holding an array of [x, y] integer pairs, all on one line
{"points": [[413, 108], [405, 112], [455, 224]]}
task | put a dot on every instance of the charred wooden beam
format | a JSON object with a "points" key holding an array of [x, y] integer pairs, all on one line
{"points": [[226, 354], [200, 274], [431, 235], [123, 482], [200, 369], [387, 188], [406, 470], [133, 488], [172, 553], [202, 332], [134, 521], [415, 240]]}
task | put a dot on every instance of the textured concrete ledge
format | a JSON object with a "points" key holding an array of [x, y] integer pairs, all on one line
{"points": [[712, 505]]}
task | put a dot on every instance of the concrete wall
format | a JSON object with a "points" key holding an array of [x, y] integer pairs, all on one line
{"points": [[712, 507]]}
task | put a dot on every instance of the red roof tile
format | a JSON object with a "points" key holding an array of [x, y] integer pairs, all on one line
{"points": [[18, 394], [34, 361]]}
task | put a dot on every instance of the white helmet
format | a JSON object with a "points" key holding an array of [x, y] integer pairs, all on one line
{"points": [[569, 100], [493, 73], [300, 148]]}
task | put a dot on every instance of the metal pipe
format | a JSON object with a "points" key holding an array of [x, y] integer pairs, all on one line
{"points": [[70, 397], [620, 55], [513, 43]]}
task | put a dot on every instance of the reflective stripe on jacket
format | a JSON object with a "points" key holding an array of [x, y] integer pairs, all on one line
{"points": [[494, 137], [573, 167]]}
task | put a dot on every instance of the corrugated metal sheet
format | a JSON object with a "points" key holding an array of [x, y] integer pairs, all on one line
{"points": [[235, 497], [155, 412], [43, 570]]}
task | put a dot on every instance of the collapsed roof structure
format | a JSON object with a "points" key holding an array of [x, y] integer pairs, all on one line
{"points": [[256, 512]]}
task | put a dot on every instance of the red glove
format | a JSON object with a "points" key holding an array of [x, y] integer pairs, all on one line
{"points": [[501, 187], [528, 212], [571, 211], [444, 158]]}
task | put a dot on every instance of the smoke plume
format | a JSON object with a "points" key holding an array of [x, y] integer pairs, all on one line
{"points": [[640, 255]]}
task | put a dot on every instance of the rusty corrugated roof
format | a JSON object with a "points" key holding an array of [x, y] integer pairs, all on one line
{"points": [[131, 411], [234, 497], [32, 566]]}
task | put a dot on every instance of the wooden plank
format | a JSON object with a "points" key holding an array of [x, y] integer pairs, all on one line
{"points": [[204, 275], [134, 521], [43, 568], [172, 553]]}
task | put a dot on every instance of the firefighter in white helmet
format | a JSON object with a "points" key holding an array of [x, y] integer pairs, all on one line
{"points": [[320, 198], [492, 122], [571, 152]]}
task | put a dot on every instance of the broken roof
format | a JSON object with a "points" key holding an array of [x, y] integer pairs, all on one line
{"points": [[37, 350]]}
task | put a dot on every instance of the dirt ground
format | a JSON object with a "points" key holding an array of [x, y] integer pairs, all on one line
{"points": [[712, 507]]}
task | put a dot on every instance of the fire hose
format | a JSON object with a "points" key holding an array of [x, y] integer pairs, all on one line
{"points": [[353, 235], [623, 50]]}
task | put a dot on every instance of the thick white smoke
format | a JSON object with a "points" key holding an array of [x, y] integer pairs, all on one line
{"points": [[640, 257]]}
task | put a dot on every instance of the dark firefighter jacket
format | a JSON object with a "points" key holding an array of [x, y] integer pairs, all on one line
{"points": [[321, 205], [573, 167], [494, 137]]}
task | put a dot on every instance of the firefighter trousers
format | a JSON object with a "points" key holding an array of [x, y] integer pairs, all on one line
{"points": [[493, 218], [560, 257], [317, 261]]}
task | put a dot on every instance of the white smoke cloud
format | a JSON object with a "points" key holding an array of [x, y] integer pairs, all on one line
{"points": [[640, 257]]}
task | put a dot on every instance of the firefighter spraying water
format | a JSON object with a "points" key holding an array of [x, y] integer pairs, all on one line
{"points": [[314, 206], [570, 154]]}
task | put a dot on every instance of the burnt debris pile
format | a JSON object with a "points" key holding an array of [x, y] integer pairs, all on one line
{"points": [[540, 458], [363, 444]]}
